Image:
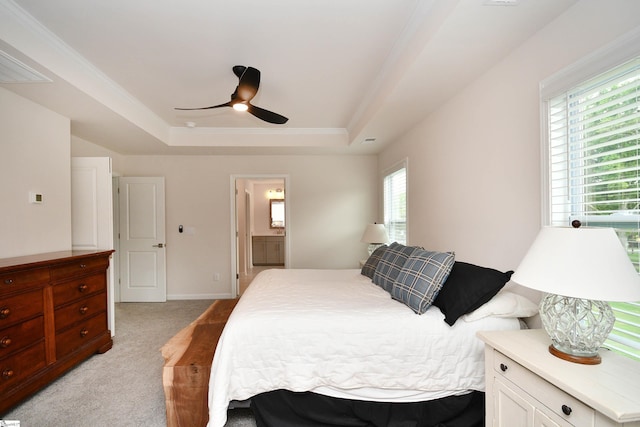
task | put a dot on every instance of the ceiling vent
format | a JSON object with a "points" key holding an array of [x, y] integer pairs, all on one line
{"points": [[14, 71]]}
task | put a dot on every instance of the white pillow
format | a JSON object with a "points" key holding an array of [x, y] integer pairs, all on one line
{"points": [[504, 304]]}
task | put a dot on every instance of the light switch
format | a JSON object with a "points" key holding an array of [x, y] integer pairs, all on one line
{"points": [[35, 197]]}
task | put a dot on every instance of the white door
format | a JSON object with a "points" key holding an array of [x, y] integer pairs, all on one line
{"points": [[142, 240], [92, 214]]}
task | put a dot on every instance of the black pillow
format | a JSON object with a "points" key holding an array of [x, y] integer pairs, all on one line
{"points": [[369, 267], [467, 288]]}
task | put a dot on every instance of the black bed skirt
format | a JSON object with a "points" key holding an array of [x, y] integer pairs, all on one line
{"points": [[283, 408]]}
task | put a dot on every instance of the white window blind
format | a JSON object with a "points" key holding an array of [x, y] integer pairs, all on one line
{"points": [[594, 170], [395, 204]]}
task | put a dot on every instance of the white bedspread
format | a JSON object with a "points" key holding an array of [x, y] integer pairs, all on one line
{"points": [[336, 333]]}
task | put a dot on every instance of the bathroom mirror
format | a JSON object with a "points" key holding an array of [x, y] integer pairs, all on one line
{"points": [[277, 213]]}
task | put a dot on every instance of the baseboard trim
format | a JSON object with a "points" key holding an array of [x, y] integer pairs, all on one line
{"points": [[198, 296]]}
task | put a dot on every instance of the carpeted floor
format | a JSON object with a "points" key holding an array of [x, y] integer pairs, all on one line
{"points": [[122, 387]]}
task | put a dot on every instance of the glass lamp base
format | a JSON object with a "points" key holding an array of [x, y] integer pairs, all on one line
{"points": [[577, 327], [372, 247]]}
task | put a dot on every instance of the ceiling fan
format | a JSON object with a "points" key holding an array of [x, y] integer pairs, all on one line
{"points": [[249, 81]]}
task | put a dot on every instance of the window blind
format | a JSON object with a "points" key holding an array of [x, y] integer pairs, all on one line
{"points": [[395, 204], [594, 170]]}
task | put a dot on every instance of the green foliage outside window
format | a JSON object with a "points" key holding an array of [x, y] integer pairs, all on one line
{"points": [[595, 166]]}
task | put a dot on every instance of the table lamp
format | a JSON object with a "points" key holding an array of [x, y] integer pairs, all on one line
{"points": [[375, 235], [579, 269]]}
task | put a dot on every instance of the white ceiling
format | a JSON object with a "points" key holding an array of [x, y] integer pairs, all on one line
{"points": [[342, 71]]}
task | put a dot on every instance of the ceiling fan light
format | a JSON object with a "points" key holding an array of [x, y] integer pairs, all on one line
{"points": [[240, 106]]}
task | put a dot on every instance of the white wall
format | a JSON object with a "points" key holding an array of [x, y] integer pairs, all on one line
{"points": [[34, 156], [328, 212], [84, 148], [474, 164], [474, 173]]}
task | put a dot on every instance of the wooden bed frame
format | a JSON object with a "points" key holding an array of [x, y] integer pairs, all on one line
{"points": [[188, 356]]}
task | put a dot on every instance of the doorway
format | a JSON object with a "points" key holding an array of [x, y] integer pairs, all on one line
{"points": [[252, 227]]}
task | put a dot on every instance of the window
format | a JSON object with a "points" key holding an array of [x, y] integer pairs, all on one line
{"points": [[395, 203], [593, 143]]}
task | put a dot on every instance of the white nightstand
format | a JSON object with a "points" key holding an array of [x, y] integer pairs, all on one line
{"points": [[526, 386]]}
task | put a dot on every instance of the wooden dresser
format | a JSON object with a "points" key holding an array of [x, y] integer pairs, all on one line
{"points": [[53, 315]]}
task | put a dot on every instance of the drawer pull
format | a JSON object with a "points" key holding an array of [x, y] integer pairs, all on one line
{"points": [[5, 342], [84, 309], [566, 410], [4, 312], [7, 374], [503, 367], [84, 332], [83, 265], [82, 287], [8, 281]]}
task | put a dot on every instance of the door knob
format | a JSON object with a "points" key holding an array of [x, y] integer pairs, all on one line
{"points": [[159, 245]]}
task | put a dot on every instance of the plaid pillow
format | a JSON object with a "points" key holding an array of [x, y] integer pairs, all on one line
{"points": [[390, 264], [369, 267], [421, 278]]}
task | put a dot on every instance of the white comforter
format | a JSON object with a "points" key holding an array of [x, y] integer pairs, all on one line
{"points": [[336, 333]]}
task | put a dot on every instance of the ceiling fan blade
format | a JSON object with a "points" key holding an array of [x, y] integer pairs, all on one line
{"points": [[249, 84], [238, 70], [267, 116], [226, 104]]}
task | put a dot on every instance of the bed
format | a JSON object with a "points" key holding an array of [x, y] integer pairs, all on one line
{"points": [[330, 340]]}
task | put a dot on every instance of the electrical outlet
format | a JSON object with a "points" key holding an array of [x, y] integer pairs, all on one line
{"points": [[216, 277]]}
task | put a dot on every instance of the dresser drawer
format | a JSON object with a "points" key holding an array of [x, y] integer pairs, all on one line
{"points": [[15, 338], [66, 292], [23, 279], [20, 307], [22, 365], [79, 334], [80, 310], [79, 267], [560, 403]]}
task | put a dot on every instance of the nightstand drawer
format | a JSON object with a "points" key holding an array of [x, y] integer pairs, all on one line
{"points": [[560, 403]]}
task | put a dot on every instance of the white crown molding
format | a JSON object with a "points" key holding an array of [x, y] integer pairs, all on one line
{"points": [[26, 34], [258, 137], [426, 19]]}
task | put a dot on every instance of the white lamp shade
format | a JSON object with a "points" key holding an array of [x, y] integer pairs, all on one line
{"points": [[588, 263], [375, 234]]}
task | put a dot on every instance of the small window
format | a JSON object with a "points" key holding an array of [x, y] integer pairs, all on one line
{"points": [[395, 203]]}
